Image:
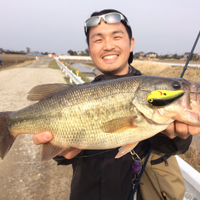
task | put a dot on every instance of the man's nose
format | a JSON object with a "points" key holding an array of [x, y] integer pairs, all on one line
{"points": [[109, 44]]}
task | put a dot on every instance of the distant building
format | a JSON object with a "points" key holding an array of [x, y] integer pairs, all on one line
{"points": [[186, 55], [196, 56], [8, 51], [34, 54], [169, 55], [151, 55], [79, 53], [139, 54]]}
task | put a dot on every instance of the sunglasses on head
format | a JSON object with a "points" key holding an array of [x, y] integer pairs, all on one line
{"points": [[109, 18]]}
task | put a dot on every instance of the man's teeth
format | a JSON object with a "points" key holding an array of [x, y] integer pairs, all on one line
{"points": [[110, 57]]}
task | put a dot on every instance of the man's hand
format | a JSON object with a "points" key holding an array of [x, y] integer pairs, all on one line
{"points": [[45, 137], [181, 130]]}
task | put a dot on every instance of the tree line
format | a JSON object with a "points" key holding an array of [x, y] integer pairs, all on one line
{"points": [[194, 56]]}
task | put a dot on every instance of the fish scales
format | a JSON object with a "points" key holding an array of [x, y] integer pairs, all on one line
{"points": [[93, 111]]}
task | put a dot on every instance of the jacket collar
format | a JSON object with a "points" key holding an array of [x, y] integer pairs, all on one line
{"points": [[100, 76]]}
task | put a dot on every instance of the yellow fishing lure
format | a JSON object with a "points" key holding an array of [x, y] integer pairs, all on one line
{"points": [[163, 97]]}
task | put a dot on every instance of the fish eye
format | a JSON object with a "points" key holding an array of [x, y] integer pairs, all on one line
{"points": [[176, 85]]}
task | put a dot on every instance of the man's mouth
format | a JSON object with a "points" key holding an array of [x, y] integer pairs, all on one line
{"points": [[109, 57]]}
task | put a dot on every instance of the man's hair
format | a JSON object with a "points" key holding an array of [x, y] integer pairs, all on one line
{"points": [[128, 28]]}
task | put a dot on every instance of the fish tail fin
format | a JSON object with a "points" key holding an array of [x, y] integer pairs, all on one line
{"points": [[6, 138]]}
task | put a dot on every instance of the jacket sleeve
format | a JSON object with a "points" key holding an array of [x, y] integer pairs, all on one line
{"points": [[62, 160], [163, 144]]}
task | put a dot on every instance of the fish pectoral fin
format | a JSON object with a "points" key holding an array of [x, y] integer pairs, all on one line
{"points": [[126, 149], [49, 151], [118, 125], [41, 92]]}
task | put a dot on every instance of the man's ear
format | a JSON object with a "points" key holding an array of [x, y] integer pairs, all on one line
{"points": [[132, 44]]}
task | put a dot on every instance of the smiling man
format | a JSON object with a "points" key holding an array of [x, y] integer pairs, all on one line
{"points": [[96, 174], [110, 48]]}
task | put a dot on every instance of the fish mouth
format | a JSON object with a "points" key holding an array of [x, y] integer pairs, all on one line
{"points": [[190, 100], [186, 109], [190, 104], [194, 96], [194, 100]]}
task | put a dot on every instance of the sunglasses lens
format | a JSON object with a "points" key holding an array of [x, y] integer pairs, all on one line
{"points": [[113, 18], [110, 18], [92, 22]]}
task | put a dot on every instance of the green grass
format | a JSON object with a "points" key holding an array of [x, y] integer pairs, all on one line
{"points": [[53, 65], [81, 74], [67, 80]]}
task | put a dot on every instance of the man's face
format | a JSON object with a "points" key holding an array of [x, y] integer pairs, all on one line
{"points": [[110, 47]]}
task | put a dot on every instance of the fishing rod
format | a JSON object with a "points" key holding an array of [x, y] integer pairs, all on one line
{"points": [[188, 60]]}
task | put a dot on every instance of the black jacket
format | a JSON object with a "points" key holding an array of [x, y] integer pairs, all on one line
{"points": [[97, 175]]}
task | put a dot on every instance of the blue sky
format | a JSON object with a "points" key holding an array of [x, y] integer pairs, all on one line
{"points": [[161, 26]]}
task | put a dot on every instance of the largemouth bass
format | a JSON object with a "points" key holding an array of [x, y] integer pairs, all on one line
{"points": [[102, 115]]}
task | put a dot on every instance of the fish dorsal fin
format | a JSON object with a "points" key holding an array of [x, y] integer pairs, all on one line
{"points": [[41, 92], [118, 125], [49, 151]]}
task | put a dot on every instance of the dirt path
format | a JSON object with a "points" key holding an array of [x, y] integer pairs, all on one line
{"points": [[22, 175]]}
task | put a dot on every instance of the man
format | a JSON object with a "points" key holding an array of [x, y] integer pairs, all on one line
{"points": [[96, 174]]}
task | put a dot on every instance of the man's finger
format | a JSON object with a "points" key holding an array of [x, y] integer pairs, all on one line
{"points": [[170, 131], [193, 130], [181, 130], [42, 138]]}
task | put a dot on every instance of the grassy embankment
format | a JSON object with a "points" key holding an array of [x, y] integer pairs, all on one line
{"points": [[54, 65]]}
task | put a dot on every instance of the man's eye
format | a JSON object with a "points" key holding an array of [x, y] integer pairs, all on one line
{"points": [[98, 40]]}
